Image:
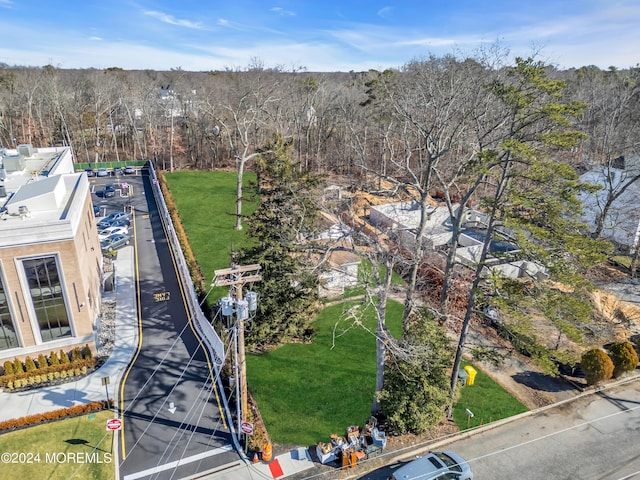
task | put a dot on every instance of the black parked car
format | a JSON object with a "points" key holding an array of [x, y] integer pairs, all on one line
{"points": [[109, 191]]}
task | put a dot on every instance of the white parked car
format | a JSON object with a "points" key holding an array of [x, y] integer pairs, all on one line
{"points": [[107, 232]]}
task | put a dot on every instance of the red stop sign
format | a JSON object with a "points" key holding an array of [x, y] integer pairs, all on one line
{"points": [[114, 424]]}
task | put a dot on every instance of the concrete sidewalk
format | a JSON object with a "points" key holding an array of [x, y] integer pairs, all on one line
{"points": [[282, 466], [89, 388]]}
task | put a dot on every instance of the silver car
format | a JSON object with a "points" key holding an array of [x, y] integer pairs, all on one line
{"points": [[435, 466]]}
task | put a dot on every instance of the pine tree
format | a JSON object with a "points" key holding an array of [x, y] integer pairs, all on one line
{"points": [[278, 229]]}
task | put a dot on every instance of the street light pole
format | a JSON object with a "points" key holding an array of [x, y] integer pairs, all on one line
{"points": [[238, 276]]}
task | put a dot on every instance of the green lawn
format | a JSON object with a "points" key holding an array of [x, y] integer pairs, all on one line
{"points": [[76, 448], [487, 400], [307, 392], [206, 203]]}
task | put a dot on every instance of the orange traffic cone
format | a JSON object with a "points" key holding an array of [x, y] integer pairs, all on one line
{"points": [[255, 458]]}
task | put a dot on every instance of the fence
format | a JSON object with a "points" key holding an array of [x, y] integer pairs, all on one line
{"points": [[202, 324]]}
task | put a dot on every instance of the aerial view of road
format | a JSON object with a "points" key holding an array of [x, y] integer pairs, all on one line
{"points": [[173, 422], [594, 437]]}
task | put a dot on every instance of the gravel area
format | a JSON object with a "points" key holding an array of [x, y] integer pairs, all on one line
{"points": [[106, 330]]}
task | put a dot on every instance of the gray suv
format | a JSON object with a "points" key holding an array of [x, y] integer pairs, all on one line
{"points": [[435, 466]]}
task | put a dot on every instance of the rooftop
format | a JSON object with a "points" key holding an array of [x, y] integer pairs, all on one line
{"points": [[40, 195]]}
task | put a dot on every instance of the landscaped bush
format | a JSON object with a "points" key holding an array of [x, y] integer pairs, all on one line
{"points": [[46, 374], [29, 364], [624, 358], [17, 366], [8, 368], [597, 366], [53, 359], [42, 361], [31, 420]]}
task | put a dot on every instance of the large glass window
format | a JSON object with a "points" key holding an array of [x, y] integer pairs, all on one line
{"points": [[47, 297], [8, 337]]}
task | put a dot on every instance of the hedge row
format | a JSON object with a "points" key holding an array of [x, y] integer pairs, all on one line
{"points": [[31, 420], [17, 366], [47, 374]]}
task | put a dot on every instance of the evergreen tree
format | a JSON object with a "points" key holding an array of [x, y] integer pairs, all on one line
{"points": [[597, 366], [29, 364], [42, 361], [624, 358], [280, 229], [416, 383], [86, 352], [17, 366], [53, 358], [8, 368], [64, 358]]}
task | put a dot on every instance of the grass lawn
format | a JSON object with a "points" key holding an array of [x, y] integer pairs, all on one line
{"points": [[306, 392], [76, 448], [487, 400], [206, 203]]}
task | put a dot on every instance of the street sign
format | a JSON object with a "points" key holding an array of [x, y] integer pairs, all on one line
{"points": [[246, 428], [114, 424]]}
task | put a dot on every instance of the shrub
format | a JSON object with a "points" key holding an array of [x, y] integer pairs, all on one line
{"points": [[64, 358], [8, 368], [596, 365], [29, 364], [17, 366], [76, 355], [53, 359], [42, 361], [624, 358], [86, 352]]}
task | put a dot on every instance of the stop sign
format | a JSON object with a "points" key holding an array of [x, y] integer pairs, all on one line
{"points": [[114, 424]]}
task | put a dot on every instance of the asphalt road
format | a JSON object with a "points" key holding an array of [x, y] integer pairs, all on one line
{"points": [[173, 426], [594, 437]]}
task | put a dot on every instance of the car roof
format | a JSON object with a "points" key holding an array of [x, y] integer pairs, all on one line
{"points": [[424, 468]]}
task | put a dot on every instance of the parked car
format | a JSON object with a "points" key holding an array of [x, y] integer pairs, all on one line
{"points": [[116, 216], [107, 232], [96, 210], [129, 170], [114, 242], [435, 466], [90, 172], [102, 172], [109, 190]]}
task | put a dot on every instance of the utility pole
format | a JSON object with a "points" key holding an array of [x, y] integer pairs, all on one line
{"points": [[238, 276]]}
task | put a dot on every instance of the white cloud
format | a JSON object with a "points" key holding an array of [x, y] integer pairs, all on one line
{"points": [[6, 3], [282, 12], [384, 11], [171, 20]]}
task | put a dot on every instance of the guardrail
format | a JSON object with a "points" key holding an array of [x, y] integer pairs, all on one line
{"points": [[204, 327]]}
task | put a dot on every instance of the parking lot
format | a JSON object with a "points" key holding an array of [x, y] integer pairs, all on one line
{"points": [[113, 193]]}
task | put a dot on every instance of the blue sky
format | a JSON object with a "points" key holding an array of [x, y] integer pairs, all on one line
{"points": [[317, 35]]}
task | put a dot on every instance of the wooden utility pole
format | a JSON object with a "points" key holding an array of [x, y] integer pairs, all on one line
{"points": [[238, 276]]}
